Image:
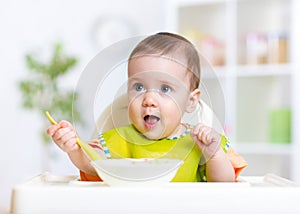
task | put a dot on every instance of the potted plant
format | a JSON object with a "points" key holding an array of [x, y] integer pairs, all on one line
{"points": [[41, 90]]}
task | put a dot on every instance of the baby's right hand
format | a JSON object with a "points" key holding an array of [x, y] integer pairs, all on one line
{"points": [[64, 135]]}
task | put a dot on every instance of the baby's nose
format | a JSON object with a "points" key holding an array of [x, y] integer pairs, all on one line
{"points": [[149, 99]]}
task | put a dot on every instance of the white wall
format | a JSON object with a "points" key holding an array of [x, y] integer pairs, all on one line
{"points": [[36, 25]]}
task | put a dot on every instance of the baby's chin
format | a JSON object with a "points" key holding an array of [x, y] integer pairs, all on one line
{"points": [[154, 134], [153, 137]]}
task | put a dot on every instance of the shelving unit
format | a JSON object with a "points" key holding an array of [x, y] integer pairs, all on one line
{"points": [[237, 38]]}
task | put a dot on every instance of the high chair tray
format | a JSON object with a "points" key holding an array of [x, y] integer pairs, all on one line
{"points": [[47, 193]]}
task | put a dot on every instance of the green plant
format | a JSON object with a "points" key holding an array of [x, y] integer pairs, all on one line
{"points": [[41, 91]]}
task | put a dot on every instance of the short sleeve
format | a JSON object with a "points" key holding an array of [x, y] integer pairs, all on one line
{"points": [[237, 161], [87, 177]]}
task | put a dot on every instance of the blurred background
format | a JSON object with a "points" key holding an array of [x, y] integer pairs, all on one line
{"points": [[253, 46]]}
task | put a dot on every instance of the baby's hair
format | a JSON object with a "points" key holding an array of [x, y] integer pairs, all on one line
{"points": [[175, 46]]}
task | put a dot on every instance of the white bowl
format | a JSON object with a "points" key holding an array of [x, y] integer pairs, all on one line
{"points": [[122, 172]]}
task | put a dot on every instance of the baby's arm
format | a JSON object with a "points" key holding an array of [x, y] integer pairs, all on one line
{"points": [[64, 136], [218, 166]]}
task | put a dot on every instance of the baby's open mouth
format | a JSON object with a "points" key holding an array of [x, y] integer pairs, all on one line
{"points": [[151, 120]]}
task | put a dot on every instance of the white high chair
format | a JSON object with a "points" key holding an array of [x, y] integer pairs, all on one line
{"points": [[106, 121]]}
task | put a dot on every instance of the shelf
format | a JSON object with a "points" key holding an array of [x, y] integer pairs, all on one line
{"points": [[256, 35], [185, 3], [264, 70], [249, 71], [258, 80], [263, 148]]}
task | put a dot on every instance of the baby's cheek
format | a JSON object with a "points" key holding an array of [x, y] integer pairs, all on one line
{"points": [[133, 113]]}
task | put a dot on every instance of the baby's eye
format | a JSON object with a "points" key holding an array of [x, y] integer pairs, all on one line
{"points": [[165, 89], [139, 87]]}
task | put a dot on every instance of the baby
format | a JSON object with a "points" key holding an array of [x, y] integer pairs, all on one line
{"points": [[163, 84]]}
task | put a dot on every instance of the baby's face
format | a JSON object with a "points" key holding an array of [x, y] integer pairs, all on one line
{"points": [[158, 92]]}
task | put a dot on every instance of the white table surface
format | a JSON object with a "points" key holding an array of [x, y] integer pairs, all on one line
{"points": [[49, 193]]}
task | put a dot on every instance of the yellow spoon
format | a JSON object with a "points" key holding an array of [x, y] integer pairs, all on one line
{"points": [[92, 153]]}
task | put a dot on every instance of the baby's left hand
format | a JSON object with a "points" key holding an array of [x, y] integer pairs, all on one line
{"points": [[207, 139]]}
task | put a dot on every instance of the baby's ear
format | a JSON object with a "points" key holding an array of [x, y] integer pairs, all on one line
{"points": [[194, 98]]}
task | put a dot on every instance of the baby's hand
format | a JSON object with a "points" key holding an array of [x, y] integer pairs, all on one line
{"points": [[207, 139], [64, 135]]}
